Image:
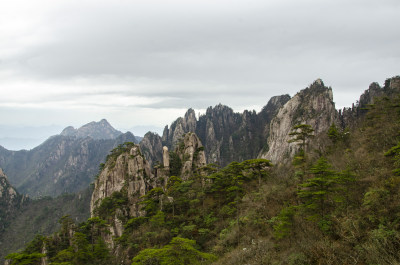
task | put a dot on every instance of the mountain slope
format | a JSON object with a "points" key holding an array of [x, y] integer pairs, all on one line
{"points": [[62, 164]]}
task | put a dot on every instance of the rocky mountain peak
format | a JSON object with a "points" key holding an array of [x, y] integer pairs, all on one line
{"points": [[95, 130], [313, 106]]}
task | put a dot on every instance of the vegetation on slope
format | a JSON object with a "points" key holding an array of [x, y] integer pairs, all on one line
{"points": [[344, 209], [41, 216]]}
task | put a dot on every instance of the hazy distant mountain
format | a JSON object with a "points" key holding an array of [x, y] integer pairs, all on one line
{"points": [[95, 130], [64, 163]]}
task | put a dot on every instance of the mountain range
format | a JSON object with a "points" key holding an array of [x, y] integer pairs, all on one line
{"points": [[64, 163], [202, 179]]}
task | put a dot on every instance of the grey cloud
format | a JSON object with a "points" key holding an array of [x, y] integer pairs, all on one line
{"points": [[201, 53]]}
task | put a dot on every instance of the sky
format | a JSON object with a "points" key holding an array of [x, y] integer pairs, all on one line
{"points": [[141, 64]]}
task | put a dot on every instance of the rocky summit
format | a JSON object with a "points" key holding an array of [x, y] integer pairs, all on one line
{"points": [[96, 130]]}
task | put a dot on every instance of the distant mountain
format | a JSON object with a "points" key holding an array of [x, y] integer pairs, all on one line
{"points": [[96, 130], [64, 163]]}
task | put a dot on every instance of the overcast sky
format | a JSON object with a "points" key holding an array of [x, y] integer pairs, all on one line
{"points": [[143, 63]]}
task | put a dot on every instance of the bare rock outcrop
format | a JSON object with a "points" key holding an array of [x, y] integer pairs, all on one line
{"points": [[227, 136], [191, 152], [127, 173], [151, 147], [313, 106], [179, 127], [10, 201]]}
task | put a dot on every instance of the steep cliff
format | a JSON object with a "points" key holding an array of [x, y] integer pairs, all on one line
{"points": [[227, 136], [191, 152], [151, 147], [10, 201], [126, 175], [313, 106]]}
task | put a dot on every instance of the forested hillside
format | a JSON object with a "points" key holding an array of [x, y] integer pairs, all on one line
{"points": [[336, 202]]}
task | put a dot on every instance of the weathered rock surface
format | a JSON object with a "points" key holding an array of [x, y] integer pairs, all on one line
{"points": [[151, 147], [313, 106], [10, 200], [179, 127], [227, 136], [128, 173], [191, 152]]}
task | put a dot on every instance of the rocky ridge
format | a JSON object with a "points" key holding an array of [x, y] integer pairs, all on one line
{"points": [[227, 136], [350, 116], [96, 130]]}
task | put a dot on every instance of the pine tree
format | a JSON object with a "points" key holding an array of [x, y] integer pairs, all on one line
{"points": [[317, 192], [300, 134]]}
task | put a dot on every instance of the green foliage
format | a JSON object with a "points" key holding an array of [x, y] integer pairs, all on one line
{"points": [[301, 133], [158, 219], [316, 192], [350, 194], [180, 251], [394, 152], [175, 164], [108, 205], [151, 201], [283, 222], [25, 259], [333, 133]]}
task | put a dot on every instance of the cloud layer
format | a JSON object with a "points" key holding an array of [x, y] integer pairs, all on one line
{"points": [[145, 62]]}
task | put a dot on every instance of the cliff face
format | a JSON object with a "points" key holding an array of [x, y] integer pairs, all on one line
{"points": [[61, 164], [227, 136], [10, 203], [191, 152], [151, 146], [313, 106], [127, 176]]}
